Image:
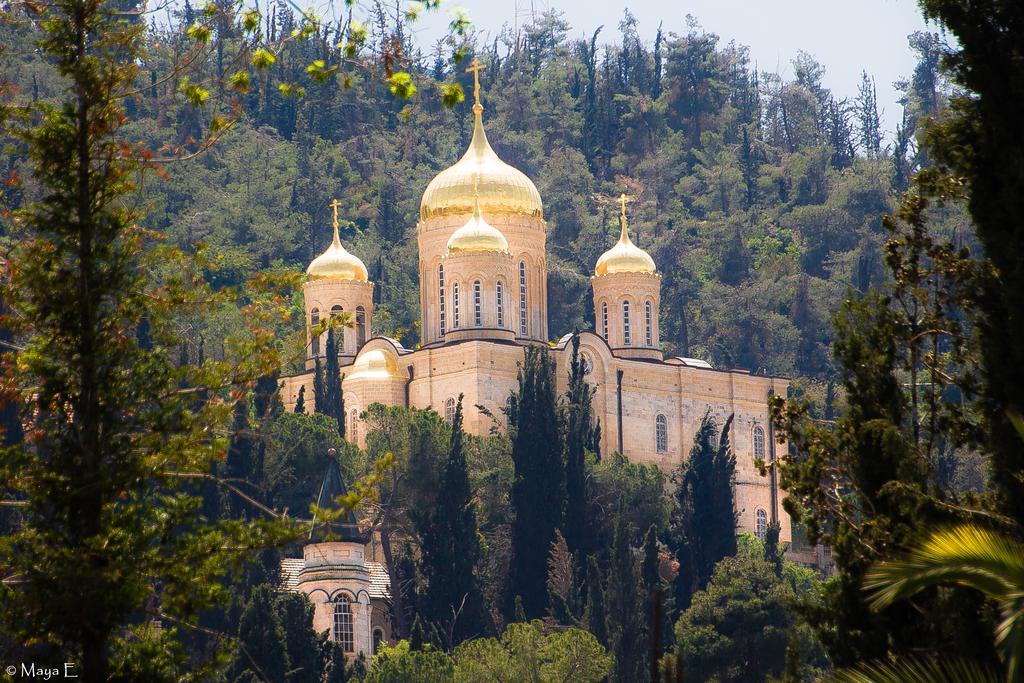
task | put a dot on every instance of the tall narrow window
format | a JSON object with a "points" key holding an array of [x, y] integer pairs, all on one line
{"points": [[360, 327], [648, 323], [627, 333], [343, 632], [353, 426], [449, 410], [522, 299], [478, 319], [499, 297], [761, 528], [455, 305], [339, 332], [661, 433], [604, 320], [758, 442], [378, 638], [440, 292], [314, 320]]}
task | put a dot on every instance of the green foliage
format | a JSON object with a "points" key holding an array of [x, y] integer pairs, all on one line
{"points": [[737, 629], [969, 556], [538, 491], [450, 549], [262, 640], [526, 653], [400, 664], [703, 520]]}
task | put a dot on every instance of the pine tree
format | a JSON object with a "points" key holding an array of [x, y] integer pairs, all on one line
{"points": [[300, 401], [749, 166], [450, 549], [538, 489], [975, 141], [578, 427], [870, 125], [703, 521], [595, 616], [262, 641], [627, 605]]}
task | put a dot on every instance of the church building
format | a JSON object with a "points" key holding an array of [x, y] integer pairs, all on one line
{"points": [[483, 298]]}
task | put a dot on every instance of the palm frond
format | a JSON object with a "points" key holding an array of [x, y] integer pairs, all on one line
{"points": [[918, 671], [965, 555]]}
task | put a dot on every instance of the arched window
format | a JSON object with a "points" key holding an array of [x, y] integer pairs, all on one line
{"points": [[339, 332], [604, 320], [478, 319], [360, 327], [761, 528], [440, 292], [522, 299], [378, 638], [449, 410], [648, 323], [661, 433], [343, 631], [758, 442], [455, 304], [314, 320], [353, 425], [627, 333], [499, 297]]}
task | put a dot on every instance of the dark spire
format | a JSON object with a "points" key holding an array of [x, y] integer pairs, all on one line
{"points": [[343, 528]]}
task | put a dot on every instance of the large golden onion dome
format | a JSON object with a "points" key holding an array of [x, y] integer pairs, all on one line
{"points": [[374, 364], [477, 235], [503, 189], [624, 257], [337, 263]]}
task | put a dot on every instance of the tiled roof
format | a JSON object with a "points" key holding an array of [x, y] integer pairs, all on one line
{"points": [[380, 582], [290, 568]]}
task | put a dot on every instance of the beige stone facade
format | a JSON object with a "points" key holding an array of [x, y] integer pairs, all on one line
{"points": [[480, 306]]}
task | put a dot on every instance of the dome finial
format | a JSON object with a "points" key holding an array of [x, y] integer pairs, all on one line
{"points": [[334, 206], [476, 67], [624, 230]]}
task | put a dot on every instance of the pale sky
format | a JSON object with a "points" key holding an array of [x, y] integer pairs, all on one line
{"points": [[846, 36]]}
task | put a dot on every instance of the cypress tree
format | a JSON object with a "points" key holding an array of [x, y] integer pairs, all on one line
{"points": [[319, 389], [579, 429], [703, 521], [300, 401], [626, 603], [538, 489], [305, 656], [262, 641], [240, 464], [450, 550], [332, 383], [594, 616]]}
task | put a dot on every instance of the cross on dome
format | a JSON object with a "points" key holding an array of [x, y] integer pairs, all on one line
{"points": [[334, 205], [476, 67]]}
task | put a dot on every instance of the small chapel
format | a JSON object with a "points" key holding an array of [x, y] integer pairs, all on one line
{"points": [[483, 297]]}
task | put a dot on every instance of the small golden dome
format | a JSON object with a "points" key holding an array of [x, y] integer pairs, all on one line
{"points": [[502, 188], [624, 257], [337, 263], [477, 235], [375, 364]]}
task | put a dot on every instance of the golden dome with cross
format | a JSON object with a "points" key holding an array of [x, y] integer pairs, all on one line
{"points": [[336, 263], [502, 188], [624, 257]]}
